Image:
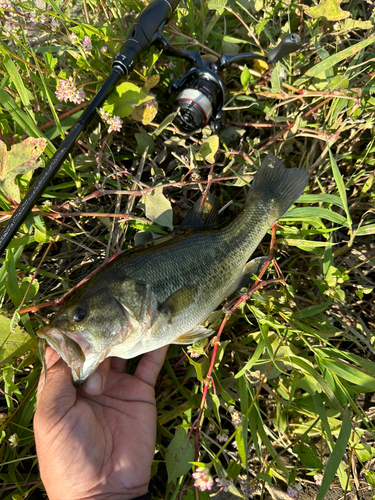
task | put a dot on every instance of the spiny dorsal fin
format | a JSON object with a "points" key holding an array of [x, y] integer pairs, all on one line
{"points": [[202, 214]]}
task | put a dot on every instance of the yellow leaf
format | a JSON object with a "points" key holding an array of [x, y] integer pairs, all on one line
{"points": [[145, 112], [260, 66]]}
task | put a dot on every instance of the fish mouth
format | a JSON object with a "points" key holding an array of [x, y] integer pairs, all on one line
{"points": [[73, 347]]}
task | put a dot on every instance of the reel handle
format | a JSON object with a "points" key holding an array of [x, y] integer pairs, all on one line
{"points": [[289, 44]]}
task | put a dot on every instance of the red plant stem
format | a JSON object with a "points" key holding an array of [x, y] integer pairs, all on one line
{"points": [[275, 137], [259, 283], [62, 299]]}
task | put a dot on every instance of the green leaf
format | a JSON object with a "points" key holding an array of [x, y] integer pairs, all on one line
{"points": [[275, 78], [257, 354], [245, 78], [339, 82], [312, 310], [308, 456], [23, 120], [216, 407], [329, 10], [158, 208], [167, 121], [144, 140], [370, 477], [320, 198], [21, 159], [125, 98], [365, 230], [241, 445], [198, 368], [364, 452], [341, 188], [317, 212], [209, 149], [333, 60], [18, 83], [179, 454], [352, 24], [338, 451], [13, 344], [218, 5], [32, 288], [350, 373]]}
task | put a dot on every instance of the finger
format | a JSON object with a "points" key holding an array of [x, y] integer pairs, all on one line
{"points": [[58, 393], [150, 365], [95, 384], [50, 358], [118, 365]]}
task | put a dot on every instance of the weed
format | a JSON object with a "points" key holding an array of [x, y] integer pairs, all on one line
{"points": [[290, 393]]}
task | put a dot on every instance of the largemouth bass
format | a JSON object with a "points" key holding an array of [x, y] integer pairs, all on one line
{"points": [[160, 293]]}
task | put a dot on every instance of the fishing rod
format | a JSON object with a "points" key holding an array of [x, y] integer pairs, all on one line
{"points": [[142, 35], [200, 100]]}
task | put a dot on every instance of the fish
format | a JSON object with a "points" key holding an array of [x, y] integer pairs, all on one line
{"points": [[160, 293]]}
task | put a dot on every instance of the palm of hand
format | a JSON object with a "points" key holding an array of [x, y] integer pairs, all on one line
{"points": [[96, 446]]}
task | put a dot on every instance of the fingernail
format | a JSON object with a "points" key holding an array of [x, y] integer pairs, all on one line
{"points": [[93, 384]]}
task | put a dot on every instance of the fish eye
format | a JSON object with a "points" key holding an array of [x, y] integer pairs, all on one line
{"points": [[79, 314]]}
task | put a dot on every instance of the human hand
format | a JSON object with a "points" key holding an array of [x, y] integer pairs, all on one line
{"points": [[97, 440]]}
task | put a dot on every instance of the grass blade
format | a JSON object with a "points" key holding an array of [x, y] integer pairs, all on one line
{"points": [[338, 451]]}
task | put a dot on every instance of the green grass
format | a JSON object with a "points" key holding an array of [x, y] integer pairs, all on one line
{"points": [[297, 360]]}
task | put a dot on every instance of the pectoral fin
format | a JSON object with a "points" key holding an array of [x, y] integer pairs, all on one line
{"points": [[254, 266], [198, 333], [179, 301]]}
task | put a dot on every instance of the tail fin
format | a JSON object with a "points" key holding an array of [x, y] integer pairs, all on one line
{"points": [[280, 184]]}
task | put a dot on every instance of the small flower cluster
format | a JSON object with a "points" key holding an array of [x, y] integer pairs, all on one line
{"points": [[318, 478], [67, 91], [203, 478], [13, 440], [5, 4], [223, 437], [38, 18], [211, 427], [293, 491], [55, 24], [247, 490], [32, 17], [236, 416], [86, 44], [73, 38], [197, 349], [114, 122], [224, 483]]}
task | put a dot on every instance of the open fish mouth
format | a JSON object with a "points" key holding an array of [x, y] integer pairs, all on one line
{"points": [[71, 348]]}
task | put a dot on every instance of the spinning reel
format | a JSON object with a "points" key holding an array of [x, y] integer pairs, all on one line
{"points": [[201, 92]]}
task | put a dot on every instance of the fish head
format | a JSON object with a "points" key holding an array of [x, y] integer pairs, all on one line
{"points": [[84, 331]]}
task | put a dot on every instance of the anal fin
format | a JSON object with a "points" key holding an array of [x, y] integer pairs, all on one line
{"points": [[197, 333]]}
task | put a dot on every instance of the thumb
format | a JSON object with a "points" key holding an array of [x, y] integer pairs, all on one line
{"points": [[56, 394]]}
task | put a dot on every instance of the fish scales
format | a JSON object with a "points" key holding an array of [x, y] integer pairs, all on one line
{"points": [[161, 293]]}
